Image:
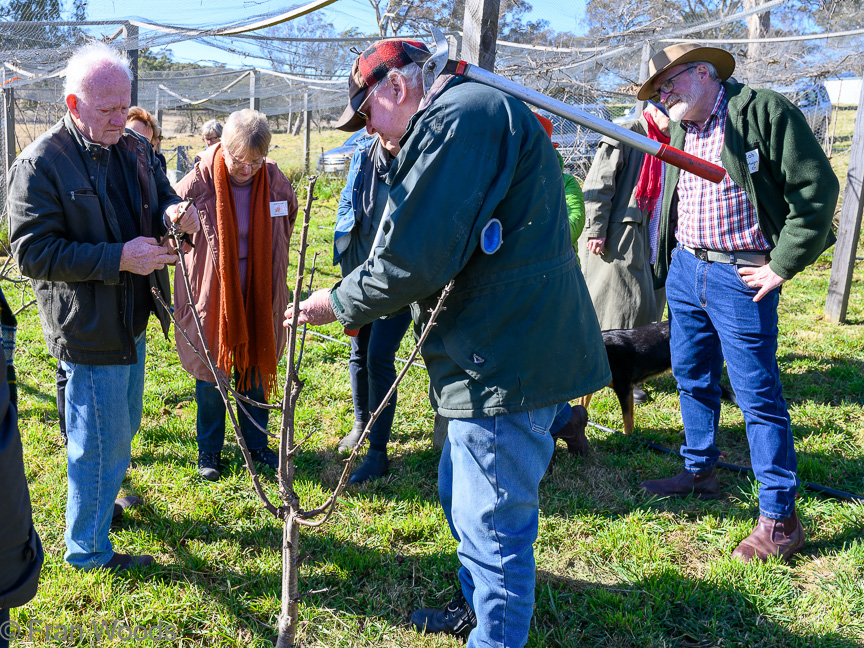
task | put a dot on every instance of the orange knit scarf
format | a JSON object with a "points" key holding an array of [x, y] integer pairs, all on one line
{"points": [[246, 341]]}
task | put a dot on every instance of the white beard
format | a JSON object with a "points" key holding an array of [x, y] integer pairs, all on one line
{"points": [[678, 111], [683, 104]]}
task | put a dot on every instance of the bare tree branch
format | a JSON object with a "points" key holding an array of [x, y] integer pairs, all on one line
{"points": [[327, 508]]}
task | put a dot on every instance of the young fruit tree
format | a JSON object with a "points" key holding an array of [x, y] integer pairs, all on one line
{"points": [[290, 510]]}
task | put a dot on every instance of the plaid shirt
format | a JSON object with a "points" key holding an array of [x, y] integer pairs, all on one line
{"points": [[717, 217]]}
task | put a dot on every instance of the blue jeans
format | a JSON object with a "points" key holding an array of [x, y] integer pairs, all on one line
{"points": [[372, 370], [562, 418], [103, 412], [210, 429], [488, 481], [714, 316]]}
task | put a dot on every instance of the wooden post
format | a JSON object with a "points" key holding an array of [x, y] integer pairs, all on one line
{"points": [[849, 229], [130, 42], [307, 115], [643, 73], [254, 101], [480, 32], [8, 129]]}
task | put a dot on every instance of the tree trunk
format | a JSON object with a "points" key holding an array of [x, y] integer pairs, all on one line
{"points": [[758, 26], [290, 592], [295, 130]]}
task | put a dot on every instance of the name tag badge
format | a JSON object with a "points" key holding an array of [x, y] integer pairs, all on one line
{"points": [[278, 208], [753, 161]]}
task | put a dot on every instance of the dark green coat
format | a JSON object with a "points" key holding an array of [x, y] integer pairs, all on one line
{"points": [[794, 191], [519, 332]]}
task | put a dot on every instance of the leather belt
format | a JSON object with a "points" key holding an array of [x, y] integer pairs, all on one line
{"points": [[743, 258]]}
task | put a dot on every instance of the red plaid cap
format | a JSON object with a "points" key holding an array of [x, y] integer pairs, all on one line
{"points": [[368, 69], [383, 56]]}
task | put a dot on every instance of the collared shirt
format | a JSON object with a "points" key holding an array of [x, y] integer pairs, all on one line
{"points": [[654, 221], [714, 216]]}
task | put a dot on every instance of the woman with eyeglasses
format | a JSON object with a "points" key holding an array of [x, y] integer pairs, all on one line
{"points": [[237, 267]]}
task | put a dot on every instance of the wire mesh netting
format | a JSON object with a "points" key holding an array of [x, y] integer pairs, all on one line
{"points": [[591, 55]]}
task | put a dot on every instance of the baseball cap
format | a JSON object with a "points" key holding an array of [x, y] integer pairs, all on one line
{"points": [[368, 69]]}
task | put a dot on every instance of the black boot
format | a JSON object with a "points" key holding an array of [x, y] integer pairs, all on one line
{"points": [[210, 465], [349, 441], [265, 457], [375, 465], [457, 618]]}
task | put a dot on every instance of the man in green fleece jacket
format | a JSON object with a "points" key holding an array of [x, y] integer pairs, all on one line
{"points": [[724, 252], [476, 196]]}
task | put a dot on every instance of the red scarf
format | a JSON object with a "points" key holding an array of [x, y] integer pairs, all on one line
{"points": [[246, 341], [649, 185]]}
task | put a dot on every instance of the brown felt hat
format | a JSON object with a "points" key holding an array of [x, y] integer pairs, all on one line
{"points": [[683, 53]]}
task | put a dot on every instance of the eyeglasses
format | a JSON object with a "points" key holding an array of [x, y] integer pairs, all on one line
{"points": [[252, 166], [210, 140], [668, 86], [360, 113]]}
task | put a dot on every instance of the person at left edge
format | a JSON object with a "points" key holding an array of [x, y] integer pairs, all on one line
{"points": [[21, 554], [88, 205]]}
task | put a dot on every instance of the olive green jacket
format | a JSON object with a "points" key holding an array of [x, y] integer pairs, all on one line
{"points": [[619, 280], [793, 188], [518, 332]]}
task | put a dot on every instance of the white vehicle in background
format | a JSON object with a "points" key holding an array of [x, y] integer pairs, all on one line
{"points": [[337, 159], [813, 100]]}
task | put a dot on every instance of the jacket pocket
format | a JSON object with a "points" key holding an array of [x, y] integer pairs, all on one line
{"points": [[69, 302], [89, 321]]}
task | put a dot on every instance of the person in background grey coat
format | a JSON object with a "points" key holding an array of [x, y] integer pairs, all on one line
{"points": [[623, 192], [614, 247]]}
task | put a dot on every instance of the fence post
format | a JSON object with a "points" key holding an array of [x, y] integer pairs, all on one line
{"points": [[130, 42], [480, 32], [643, 73], [7, 104], [254, 101], [307, 115], [9, 128], [849, 229]]}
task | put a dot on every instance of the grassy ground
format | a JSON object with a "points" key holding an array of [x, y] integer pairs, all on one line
{"points": [[614, 568]]}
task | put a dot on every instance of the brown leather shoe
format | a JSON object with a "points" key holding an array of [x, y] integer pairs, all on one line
{"points": [[573, 433], [772, 538], [701, 485]]}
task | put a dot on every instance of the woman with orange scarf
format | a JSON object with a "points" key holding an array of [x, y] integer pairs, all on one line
{"points": [[238, 268]]}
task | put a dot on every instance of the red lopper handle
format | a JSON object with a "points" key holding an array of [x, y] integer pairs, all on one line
{"points": [[691, 163], [351, 332]]}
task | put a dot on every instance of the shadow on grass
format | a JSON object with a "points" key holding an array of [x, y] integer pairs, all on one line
{"points": [[43, 399], [834, 469], [663, 609], [828, 380], [355, 583]]}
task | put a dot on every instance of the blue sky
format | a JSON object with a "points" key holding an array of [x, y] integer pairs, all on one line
{"points": [[563, 15]]}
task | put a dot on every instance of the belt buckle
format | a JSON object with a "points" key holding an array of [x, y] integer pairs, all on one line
{"points": [[701, 254]]}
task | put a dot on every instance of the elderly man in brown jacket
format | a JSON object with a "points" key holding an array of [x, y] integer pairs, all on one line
{"points": [[238, 269]]}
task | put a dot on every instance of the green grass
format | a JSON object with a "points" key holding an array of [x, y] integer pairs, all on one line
{"points": [[614, 569]]}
